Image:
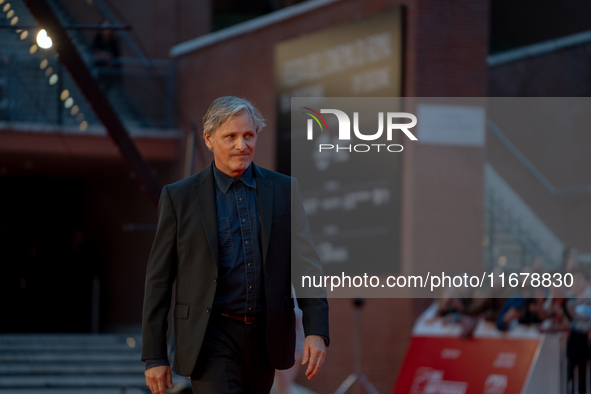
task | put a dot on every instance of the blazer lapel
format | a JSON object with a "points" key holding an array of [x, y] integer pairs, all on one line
{"points": [[204, 191], [265, 200]]}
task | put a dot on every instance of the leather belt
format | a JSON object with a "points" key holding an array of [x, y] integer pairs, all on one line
{"points": [[243, 318]]}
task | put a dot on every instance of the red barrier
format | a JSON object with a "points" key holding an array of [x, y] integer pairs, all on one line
{"points": [[448, 365]]}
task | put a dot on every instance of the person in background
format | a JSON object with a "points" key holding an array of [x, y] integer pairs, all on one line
{"points": [[570, 260], [578, 311], [526, 306], [106, 53]]}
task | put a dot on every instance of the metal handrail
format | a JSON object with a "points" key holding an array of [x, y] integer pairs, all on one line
{"points": [[515, 228], [494, 129]]}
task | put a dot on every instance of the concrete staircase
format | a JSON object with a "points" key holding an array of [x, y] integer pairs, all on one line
{"points": [[515, 234], [503, 247], [74, 363]]}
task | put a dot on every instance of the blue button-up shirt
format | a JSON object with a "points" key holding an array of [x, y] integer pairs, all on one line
{"points": [[240, 287]]}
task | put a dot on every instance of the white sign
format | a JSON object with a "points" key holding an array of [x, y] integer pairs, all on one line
{"points": [[461, 125]]}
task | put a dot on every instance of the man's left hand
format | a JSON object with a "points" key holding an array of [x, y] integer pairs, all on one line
{"points": [[314, 352]]}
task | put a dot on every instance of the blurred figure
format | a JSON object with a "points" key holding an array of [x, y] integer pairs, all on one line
{"points": [[578, 311], [570, 259], [526, 306], [555, 305], [453, 304], [457, 307], [105, 50], [489, 301]]}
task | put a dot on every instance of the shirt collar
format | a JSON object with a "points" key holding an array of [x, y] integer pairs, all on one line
{"points": [[224, 181]]}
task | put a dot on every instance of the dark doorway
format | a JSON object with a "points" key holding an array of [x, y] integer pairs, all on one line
{"points": [[48, 265]]}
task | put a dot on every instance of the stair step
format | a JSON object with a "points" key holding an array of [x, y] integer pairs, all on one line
{"points": [[66, 337], [64, 390], [107, 380], [65, 356], [72, 368], [6, 347]]}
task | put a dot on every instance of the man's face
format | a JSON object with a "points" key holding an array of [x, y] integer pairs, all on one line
{"points": [[233, 144]]}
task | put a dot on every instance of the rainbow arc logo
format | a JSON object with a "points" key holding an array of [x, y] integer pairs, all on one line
{"points": [[316, 119]]}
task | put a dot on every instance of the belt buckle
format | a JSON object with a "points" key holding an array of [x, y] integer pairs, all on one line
{"points": [[249, 319]]}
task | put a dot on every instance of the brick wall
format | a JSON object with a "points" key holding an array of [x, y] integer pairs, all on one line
{"points": [[562, 73]]}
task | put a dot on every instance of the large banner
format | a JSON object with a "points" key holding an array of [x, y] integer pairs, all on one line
{"points": [[357, 59], [445, 365]]}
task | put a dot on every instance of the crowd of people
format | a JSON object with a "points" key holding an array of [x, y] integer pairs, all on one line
{"points": [[563, 306]]}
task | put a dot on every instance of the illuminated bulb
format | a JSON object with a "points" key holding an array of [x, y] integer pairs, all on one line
{"points": [[74, 110], [9, 14], [33, 49], [48, 72], [69, 102], [53, 79], [65, 94], [83, 126], [14, 21], [24, 35], [43, 64], [6, 7], [43, 40]]}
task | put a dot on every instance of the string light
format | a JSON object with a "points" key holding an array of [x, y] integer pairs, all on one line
{"points": [[43, 39], [45, 42]]}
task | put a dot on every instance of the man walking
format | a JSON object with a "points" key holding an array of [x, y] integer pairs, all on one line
{"points": [[231, 236]]}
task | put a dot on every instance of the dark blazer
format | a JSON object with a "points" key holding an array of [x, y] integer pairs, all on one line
{"points": [[185, 249]]}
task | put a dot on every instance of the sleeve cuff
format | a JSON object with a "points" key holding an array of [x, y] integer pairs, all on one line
{"points": [[155, 362]]}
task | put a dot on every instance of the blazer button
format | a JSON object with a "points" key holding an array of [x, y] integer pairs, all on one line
{"points": [[215, 279], [208, 309]]}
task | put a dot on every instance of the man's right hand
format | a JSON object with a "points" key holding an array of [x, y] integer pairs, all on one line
{"points": [[158, 378]]}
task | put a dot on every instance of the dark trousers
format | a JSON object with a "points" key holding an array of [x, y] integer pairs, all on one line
{"points": [[233, 359], [581, 376], [577, 354]]}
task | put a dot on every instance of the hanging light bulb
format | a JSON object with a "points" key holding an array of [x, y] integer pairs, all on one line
{"points": [[43, 39]]}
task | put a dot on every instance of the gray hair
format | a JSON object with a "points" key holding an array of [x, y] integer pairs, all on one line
{"points": [[224, 108]]}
